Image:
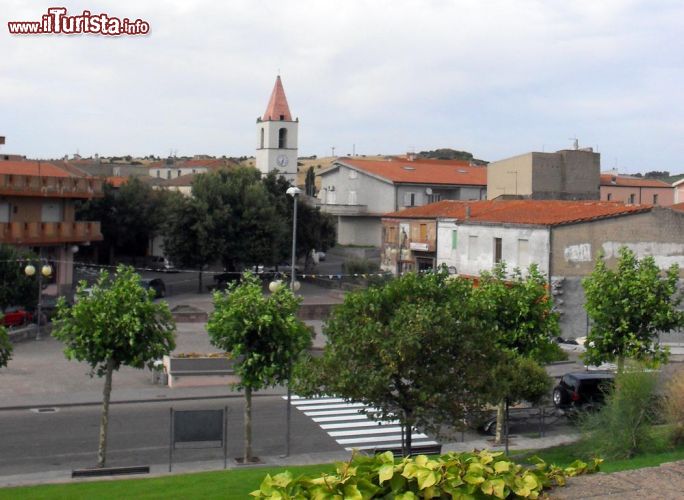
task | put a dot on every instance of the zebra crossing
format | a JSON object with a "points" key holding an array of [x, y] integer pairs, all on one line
{"points": [[345, 423]]}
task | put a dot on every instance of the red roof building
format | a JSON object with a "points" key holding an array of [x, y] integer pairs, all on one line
{"points": [[636, 190]]}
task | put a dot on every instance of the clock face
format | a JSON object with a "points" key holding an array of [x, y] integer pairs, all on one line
{"points": [[281, 161]]}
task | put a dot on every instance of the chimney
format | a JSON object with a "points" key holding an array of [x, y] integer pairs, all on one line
{"points": [[467, 212]]}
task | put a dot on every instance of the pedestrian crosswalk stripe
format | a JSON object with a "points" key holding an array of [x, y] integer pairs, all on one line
{"points": [[349, 424]]}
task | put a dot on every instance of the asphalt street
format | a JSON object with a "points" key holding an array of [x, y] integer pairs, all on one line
{"points": [[139, 435]]}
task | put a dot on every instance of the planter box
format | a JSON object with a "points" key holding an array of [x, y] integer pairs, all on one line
{"points": [[202, 371]]}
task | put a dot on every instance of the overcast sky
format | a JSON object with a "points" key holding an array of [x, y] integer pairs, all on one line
{"points": [[496, 78]]}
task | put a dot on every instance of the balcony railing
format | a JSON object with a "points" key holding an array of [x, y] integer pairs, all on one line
{"points": [[335, 209], [50, 187], [27, 233]]}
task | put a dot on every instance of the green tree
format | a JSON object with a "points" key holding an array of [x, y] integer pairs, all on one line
{"points": [[519, 316], [246, 227], [15, 287], [629, 307], [130, 216], [188, 235], [262, 333], [310, 182], [315, 229], [415, 349], [5, 345], [116, 324]]}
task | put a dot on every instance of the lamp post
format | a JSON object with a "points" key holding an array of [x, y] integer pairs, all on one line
{"points": [[45, 270], [294, 192]]}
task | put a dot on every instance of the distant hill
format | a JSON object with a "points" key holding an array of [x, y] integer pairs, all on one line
{"points": [[451, 154]]}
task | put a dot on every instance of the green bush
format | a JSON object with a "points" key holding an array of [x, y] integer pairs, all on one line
{"points": [[5, 346], [674, 408], [623, 427], [480, 474], [360, 266]]}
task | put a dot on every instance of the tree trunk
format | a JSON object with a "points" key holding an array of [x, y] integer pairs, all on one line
{"points": [[104, 420], [408, 438], [199, 281], [247, 455], [498, 439]]}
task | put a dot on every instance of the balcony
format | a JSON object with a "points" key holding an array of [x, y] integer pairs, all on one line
{"points": [[41, 233], [50, 187], [334, 209], [422, 245]]}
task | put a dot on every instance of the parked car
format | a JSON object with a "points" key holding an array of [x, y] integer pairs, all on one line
{"points": [[162, 264], [156, 284], [582, 390], [16, 316]]}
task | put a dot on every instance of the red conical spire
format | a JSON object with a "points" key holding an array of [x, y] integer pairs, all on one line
{"points": [[277, 106]]}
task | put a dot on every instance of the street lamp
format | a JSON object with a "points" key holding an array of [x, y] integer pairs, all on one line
{"points": [[46, 271]]}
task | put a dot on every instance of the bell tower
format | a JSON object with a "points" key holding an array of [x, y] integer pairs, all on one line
{"points": [[277, 136]]}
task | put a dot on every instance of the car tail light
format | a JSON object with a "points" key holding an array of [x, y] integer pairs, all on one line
{"points": [[575, 396]]}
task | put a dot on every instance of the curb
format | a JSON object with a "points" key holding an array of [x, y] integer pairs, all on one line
{"points": [[131, 401]]}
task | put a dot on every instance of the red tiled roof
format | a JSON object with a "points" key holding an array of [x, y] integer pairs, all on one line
{"points": [[422, 171], [621, 180], [678, 206], [116, 181], [536, 212], [181, 180], [30, 167], [277, 105]]}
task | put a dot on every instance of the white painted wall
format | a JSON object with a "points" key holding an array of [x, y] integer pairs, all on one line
{"points": [[474, 255], [162, 172], [665, 254]]}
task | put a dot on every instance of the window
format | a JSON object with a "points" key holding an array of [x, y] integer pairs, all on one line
{"points": [[423, 232], [409, 199], [454, 239], [168, 174], [609, 197], [261, 141], [179, 173], [392, 234], [432, 198], [523, 253], [655, 199], [282, 138], [353, 174], [497, 250], [632, 198], [331, 197], [351, 198], [51, 212], [472, 247], [158, 173], [4, 212], [282, 117]]}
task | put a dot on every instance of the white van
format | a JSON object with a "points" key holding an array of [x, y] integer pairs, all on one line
{"points": [[159, 263]]}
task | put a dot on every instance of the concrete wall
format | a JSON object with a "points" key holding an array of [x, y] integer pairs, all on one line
{"points": [[564, 175], [29, 209], [377, 195], [679, 193], [359, 230], [659, 233], [171, 172], [474, 255], [665, 196], [397, 238]]}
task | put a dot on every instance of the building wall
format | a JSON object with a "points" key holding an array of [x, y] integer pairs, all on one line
{"points": [[399, 237], [564, 175], [679, 193], [641, 195], [659, 233], [473, 255], [28, 209], [267, 154], [377, 195], [171, 172], [364, 231]]}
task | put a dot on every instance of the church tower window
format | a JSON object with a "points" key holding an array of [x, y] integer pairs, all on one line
{"points": [[282, 138]]}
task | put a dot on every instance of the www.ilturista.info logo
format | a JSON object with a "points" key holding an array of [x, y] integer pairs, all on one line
{"points": [[58, 22]]}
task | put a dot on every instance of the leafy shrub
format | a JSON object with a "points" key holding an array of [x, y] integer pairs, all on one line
{"points": [[623, 426], [674, 408], [360, 266], [5, 346], [455, 475]]}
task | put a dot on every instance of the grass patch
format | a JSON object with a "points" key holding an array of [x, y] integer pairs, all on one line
{"points": [[228, 484], [658, 453]]}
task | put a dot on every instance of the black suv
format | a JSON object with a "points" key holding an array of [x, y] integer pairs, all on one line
{"points": [[582, 390]]}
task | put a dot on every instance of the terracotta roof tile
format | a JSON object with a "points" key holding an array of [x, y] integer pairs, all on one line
{"points": [[451, 172], [621, 180], [30, 167], [277, 105], [116, 181], [532, 212]]}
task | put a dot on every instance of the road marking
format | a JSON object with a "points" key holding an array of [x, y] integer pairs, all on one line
{"points": [[350, 425]]}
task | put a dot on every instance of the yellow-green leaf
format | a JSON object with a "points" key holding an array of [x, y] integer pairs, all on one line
{"points": [[385, 473], [502, 466]]}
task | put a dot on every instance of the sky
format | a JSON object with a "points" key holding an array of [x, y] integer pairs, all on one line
{"points": [[497, 78]]}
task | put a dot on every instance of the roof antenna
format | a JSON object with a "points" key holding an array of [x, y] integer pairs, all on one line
{"points": [[575, 143]]}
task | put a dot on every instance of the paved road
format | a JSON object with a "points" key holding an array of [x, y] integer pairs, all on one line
{"points": [[139, 435]]}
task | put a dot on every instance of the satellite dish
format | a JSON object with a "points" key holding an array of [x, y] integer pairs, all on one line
{"points": [[428, 191]]}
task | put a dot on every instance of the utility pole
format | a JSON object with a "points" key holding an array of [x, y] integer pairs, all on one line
{"points": [[332, 148]]}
